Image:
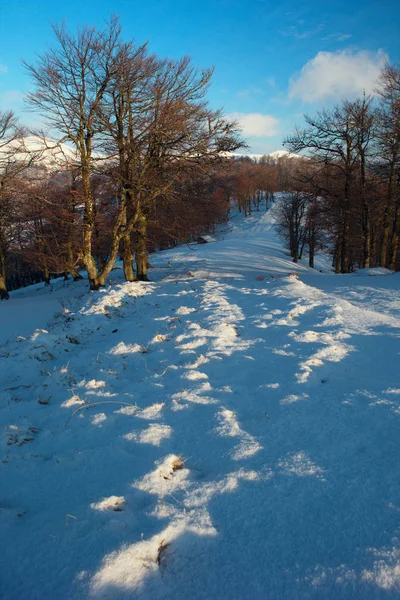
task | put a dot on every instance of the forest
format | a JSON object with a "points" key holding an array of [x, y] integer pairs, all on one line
{"points": [[134, 160]]}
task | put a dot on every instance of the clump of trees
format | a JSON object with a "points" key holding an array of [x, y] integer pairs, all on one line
{"points": [[148, 152], [300, 222], [254, 183], [349, 189], [343, 195]]}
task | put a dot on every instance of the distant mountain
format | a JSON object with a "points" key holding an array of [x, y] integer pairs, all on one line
{"points": [[44, 151], [283, 154], [274, 155], [56, 155]]}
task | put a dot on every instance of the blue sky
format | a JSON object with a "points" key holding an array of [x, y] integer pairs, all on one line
{"points": [[273, 60]]}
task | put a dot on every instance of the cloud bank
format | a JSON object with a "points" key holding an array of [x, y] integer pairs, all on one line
{"points": [[337, 75], [256, 124]]}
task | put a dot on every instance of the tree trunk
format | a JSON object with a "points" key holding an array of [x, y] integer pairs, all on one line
{"points": [[127, 257], [127, 250], [394, 242], [373, 251], [303, 243], [71, 269], [4, 295], [311, 256], [311, 247], [46, 276], [344, 263], [97, 282], [387, 225], [75, 273], [338, 256], [88, 224], [141, 247], [367, 238], [292, 244], [383, 257], [366, 222], [3, 287]]}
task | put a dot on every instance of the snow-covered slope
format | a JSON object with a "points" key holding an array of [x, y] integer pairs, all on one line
{"points": [[42, 151], [229, 430], [45, 152]]}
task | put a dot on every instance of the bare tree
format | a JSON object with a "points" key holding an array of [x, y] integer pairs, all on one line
{"points": [[127, 101], [157, 123], [70, 82], [163, 129], [331, 142], [389, 161], [291, 215], [362, 119]]}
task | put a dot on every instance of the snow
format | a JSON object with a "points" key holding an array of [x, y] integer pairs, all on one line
{"points": [[275, 155], [209, 434], [31, 308], [374, 271], [45, 152]]}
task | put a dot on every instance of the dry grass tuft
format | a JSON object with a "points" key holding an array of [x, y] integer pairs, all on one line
{"points": [[177, 464], [161, 551], [118, 505]]}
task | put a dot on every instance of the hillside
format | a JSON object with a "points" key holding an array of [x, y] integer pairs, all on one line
{"points": [[229, 430]]}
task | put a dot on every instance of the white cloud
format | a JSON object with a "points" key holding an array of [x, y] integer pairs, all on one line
{"points": [[339, 37], [256, 124], [249, 92], [336, 75], [295, 32], [3, 68]]}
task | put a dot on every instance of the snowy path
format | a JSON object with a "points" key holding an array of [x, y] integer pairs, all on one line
{"points": [[243, 438]]}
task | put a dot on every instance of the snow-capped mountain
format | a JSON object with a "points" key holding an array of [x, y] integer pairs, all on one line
{"points": [[43, 151], [53, 154], [274, 155]]}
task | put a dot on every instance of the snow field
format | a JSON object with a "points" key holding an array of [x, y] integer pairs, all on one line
{"points": [[209, 434]]}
